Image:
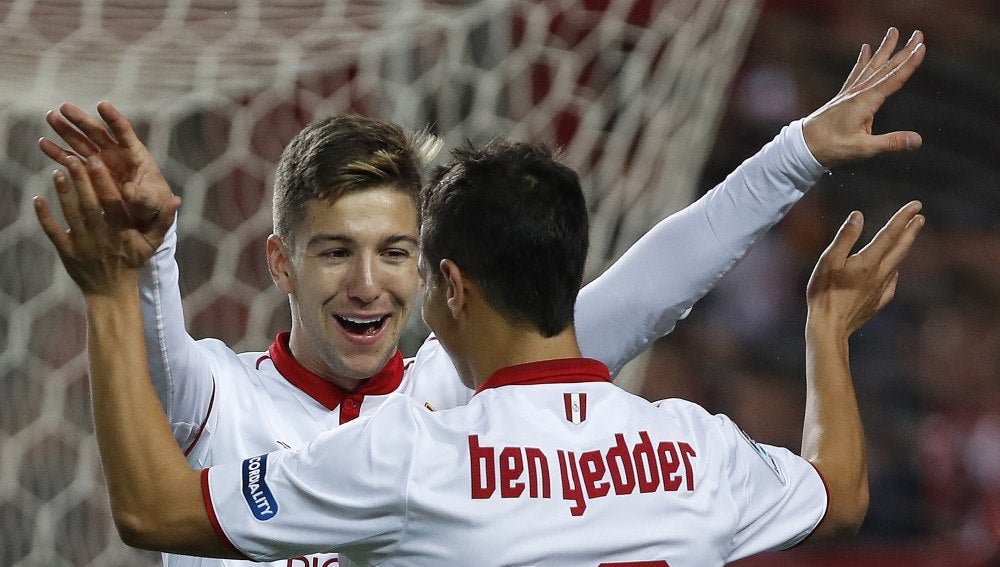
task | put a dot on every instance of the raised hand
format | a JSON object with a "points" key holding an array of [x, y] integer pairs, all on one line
{"points": [[846, 290], [134, 173], [97, 254], [841, 130]]}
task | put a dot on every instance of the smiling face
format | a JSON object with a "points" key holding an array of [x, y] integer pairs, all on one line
{"points": [[351, 276]]}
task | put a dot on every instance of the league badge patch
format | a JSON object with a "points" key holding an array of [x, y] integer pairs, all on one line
{"points": [[764, 455]]}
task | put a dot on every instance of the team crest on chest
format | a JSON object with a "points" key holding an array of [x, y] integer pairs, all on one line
{"points": [[576, 406]]}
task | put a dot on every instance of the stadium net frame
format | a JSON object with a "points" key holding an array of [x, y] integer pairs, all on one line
{"points": [[631, 91]]}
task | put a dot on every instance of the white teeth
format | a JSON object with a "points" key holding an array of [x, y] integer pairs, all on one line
{"points": [[361, 321]]}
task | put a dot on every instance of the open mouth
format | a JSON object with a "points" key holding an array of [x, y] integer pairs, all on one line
{"points": [[362, 325]]}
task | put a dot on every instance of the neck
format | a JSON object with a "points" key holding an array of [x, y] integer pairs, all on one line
{"points": [[509, 346]]}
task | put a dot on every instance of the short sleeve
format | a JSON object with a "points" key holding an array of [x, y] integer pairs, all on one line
{"points": [[779, 496], [345, 491]]}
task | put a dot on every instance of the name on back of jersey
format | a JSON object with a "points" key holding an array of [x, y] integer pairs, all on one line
{"points": [[623, 468]]}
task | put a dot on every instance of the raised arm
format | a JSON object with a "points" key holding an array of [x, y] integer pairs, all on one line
{"points": [[642, 296], [844, 292], [155, 496], [182, 383]]}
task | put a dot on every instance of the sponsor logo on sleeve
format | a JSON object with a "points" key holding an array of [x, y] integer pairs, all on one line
{"points": [[255, 491], [764, 455]]}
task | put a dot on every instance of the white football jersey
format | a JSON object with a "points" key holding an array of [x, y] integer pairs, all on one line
{"points": [[267, 399], [549, 464], [225, 406]]}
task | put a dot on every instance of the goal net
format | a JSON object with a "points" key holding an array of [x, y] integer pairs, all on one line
{"points": [[630, 90]]}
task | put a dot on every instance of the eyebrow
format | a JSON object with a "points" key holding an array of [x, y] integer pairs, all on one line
{"points": [[320, 239]]}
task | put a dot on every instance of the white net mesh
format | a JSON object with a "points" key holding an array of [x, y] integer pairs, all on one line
{"points": [[631, 90]]}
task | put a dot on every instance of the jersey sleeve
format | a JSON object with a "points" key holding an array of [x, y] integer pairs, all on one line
{"points": [[183, 382], [343, 492], [779, 497], [655, 283]]}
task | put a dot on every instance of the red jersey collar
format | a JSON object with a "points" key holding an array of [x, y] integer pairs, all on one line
{"points": [[558, 371], [325, 392]]}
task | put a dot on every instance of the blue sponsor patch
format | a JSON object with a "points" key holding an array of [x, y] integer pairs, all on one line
{"points": [[255, 490]]}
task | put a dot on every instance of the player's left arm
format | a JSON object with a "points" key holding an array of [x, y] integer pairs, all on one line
{"points": [[642, 296], [844, 292], [156, 498]]}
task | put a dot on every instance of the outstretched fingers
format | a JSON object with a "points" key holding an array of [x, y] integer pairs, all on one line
{"points": [[86, 201], [840, 248], [77, 141], [891, 244], [92, 128], [55, 152], [859, 67], [882, 55], [886, 82], [49, 223], [893, 74], [120, 126], [894, 257]]}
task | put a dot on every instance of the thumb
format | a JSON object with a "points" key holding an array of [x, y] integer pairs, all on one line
{"points": [[901, 141], [838, 250], [165, 215], [142, 205], [156, 228]]}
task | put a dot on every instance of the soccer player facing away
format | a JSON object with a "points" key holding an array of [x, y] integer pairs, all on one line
{"points": [[224, 406], [549, 463]]}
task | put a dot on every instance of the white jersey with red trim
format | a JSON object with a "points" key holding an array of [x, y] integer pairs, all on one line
{"points": [[267, 399], [548, 464], [224, 406]]}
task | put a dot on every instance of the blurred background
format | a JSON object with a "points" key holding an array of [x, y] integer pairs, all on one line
{"points": [[654, 102], [927, 369]]}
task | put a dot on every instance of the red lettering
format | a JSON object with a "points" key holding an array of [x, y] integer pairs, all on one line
{"points": [[592, 469], [511, 468], [571, 484], [687, 451], [538, 468], [670, 461], [620, 466], [623, 466], [483, 481], [311, 562], [645, 464]]}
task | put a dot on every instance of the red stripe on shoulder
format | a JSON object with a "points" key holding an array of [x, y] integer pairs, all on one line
{"points": [[212, 518]]}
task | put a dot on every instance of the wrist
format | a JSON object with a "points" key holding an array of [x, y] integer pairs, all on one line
{"points": [[124, 289], [826, 329]]}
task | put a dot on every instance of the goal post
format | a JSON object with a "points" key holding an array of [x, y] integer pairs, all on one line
{"points": [[631, 91]]}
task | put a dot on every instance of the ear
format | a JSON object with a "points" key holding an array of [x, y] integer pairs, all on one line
{"points": [[455, 292], [280, 264]]}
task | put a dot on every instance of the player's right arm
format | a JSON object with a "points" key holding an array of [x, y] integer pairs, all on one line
{"points": [[844, 292], [182, 380], [153, 491]]}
